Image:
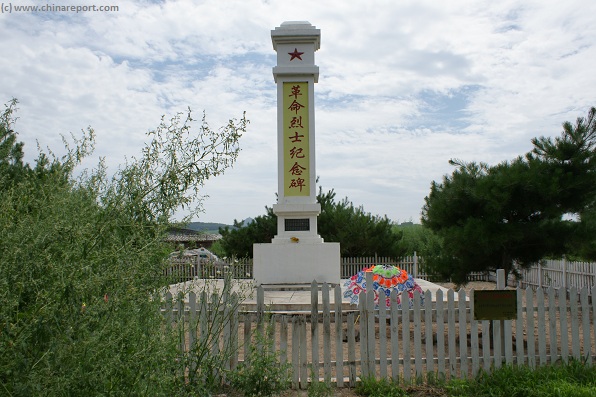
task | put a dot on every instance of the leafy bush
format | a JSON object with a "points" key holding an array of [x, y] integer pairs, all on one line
{"points": [[319, 389], [82, 262], [372, 387], [572, 379], [209, 354], [262, 373]]}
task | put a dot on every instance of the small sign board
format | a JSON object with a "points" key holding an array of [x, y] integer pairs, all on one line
{"points": [[495, 305]]}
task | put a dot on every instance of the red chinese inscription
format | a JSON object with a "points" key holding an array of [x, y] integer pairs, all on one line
{"points": [[296, 152], [295, 91], [296, 122], [295, 106], [297, 183], [297, 169], [296, 137]]}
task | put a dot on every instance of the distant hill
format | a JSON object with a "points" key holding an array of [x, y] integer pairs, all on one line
{"points": [[207, 227], [212, 227]]}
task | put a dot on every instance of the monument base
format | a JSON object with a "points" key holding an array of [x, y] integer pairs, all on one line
{"points": [[296, 263]]}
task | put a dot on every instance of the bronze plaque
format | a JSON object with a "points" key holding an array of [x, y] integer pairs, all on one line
{"points": [[495, 305]]}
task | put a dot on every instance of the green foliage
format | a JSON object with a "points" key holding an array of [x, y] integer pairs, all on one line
{"points": [[584, 247], [358, 232], [238, 241], [174, 166], [82, 267], [372, 387], [12, 167], [570, 165], [262, 374], [573, 379], [490, 217], [419, 239], [207, 357], [217, 249], [60, 334], [319, 389]]}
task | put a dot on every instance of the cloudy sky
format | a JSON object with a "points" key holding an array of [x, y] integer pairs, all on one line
{"points": [[404, 85]]}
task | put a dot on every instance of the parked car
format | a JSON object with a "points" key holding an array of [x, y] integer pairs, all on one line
{"points": [[203, 263], [206, 257]]}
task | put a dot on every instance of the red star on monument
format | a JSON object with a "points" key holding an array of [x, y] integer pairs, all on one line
{"points": [[295, 54]]}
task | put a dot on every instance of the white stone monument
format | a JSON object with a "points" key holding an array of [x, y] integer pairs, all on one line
{"points": [[297, 254]]}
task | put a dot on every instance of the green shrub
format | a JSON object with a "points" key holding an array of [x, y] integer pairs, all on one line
{"points": [[572, 379], [207, 357], [372, 387], [79, 295], [82, 258], [317, 388], [262, 373]]}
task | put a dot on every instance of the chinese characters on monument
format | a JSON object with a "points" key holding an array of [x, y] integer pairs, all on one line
{"points": [[296, 139]]}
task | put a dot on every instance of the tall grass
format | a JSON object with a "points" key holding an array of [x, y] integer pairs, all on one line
{"points": [[572, 379]]}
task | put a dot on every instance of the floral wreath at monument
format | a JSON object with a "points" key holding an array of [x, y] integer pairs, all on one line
{"points": [[386, 278]]}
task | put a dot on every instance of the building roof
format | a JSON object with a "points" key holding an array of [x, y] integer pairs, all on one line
{"points": [[187, 235]]}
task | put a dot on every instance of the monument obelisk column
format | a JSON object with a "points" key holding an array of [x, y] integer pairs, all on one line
{"points": [[297, 254]]}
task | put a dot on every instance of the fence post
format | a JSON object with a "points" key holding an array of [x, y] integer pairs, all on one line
{"points": [[593, 284], [415, 275], [565, 274], [540, 274], [501, 284]]}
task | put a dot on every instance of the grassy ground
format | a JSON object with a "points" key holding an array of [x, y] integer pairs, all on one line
{"points": [[571, 380]]}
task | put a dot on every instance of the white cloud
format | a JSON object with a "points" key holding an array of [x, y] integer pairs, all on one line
{"points": [[404, 86]]}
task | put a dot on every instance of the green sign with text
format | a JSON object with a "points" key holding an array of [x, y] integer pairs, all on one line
{"points": [[495, 305]]}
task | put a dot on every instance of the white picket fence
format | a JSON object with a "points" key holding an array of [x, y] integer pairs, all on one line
{"points": [[352, 265], [189, 267], [559, 274], [186, 268], [438, 337]]}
